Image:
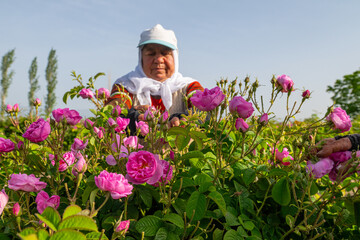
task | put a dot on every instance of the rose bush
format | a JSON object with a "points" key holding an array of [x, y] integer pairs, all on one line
{"points": [[218, 176]]}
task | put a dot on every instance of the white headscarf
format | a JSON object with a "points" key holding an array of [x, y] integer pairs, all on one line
{"points": [[137, 83]]}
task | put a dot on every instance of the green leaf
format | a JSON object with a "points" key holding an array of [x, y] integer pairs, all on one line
{"points": [[71, 210], [65, 97], [99, 74], [96, 236], [43, 234], [249, 176], [202, 178], [79, 222], [68, 234], [181, 142], [93, 196], [178, 131], [184, 182], [217, 234], [162, 234], [149, 225], [232, 235], [357, 212], [196, 206], [290, 220], [277, 172], [248, 225], [192, 154], [219, 200], [27, 231], [30, 237], [206, 186], [281, 192], [313, 189], [145, 195], [50, 217], [175, 219]]}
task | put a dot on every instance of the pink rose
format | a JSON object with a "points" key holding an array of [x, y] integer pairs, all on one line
{"points": [[67, 160], [116, 111], [16, 108], [24, 182], [144, 128], [122, 124], [6, 145], [114, 183], [103, 93], [340, 119], [166, 174], [20, 145], [72, 117], [16, 209], [86, 93], [149, 114], [88, 123], [37, 131], [172, 155], [132, 142], [4, 198], [339, 157], [283, 156], [111, 122], [142, 167], [264, 119], [240, 106], [123, 226], [320, 168], [37, 102], [208, 99], [79, 167], [43, 201], [111, 160], [241, 124], [99, 131], [164, 117], [285, 83], [306, 94], [9, 108], [78, 145]]}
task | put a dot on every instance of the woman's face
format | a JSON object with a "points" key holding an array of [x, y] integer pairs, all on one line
{"points": [[157, 62]]}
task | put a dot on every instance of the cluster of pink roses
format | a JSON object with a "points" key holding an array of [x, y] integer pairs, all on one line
{"points": [[101, 93], [333, 165], [71, 117], [12, 109]]}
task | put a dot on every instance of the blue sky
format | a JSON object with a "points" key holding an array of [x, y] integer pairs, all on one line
{"points": [[314, 42]]}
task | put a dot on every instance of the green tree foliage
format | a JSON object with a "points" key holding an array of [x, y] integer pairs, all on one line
{"points": [[34, 83], [51, 75], [6, 77], [346, 93]]}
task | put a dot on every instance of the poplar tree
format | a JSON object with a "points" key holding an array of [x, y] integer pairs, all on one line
{"points": [[34, 83], [51, 75], [6, 77]]}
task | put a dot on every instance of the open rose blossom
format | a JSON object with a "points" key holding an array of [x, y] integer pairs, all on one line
{"points": [[4, 198], [37, 131], [340, 119], [122, 123], [123, 226], [78, 145], [114, 183], [320, 168], [6, 145], [285, 83], [166, 174], [103, 93], [24, 182], [132, 142], [143, 166], [71, 117], [86, 93], [144, 128], [43, 201], [208, 99], [283, 156], [240, 106]]}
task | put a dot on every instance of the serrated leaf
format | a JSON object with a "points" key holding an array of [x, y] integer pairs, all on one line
{"points": [[202, 178], [248, 225], [175, 219], [149, 225], [78, 222], [206, 186], [96, 236], [30, 237], [182, 141], [249, 176], [146, 196], [192, 154], [43, 234], [196, 206], [162, 234], [71, 210], [68, 234], [219, 200], [217, 234], [27, 231], [50, 217], [178, 131], [232, 235], [281, 192]]}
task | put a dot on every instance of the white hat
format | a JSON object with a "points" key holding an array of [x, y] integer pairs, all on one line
{"points": [[158, 35]]}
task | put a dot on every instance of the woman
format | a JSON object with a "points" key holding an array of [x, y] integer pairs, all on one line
{"points": [[156, 80]]}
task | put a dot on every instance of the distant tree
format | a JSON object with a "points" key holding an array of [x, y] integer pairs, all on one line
{"points": [[6, 77], [34, 84], [51, 75], [346, 93]]}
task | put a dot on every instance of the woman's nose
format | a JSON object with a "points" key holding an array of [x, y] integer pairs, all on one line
{"points": [[159, 58]]}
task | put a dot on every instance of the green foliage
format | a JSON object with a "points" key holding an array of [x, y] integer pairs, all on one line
{"points": [[346, 93], [51, 76], [34, 83], [6, 77]]}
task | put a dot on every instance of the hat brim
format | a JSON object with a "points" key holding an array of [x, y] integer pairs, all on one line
{"points": [[166, 44]]}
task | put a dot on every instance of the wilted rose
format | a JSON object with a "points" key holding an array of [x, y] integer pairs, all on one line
{"points": [[285, 83], [37, 131], [208, 99], [340, 119], [114, 183], [240, 106], [24, 182]]}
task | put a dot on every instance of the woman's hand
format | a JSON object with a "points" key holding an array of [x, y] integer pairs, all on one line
{"points": [[175, 122], [328, 146]]}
